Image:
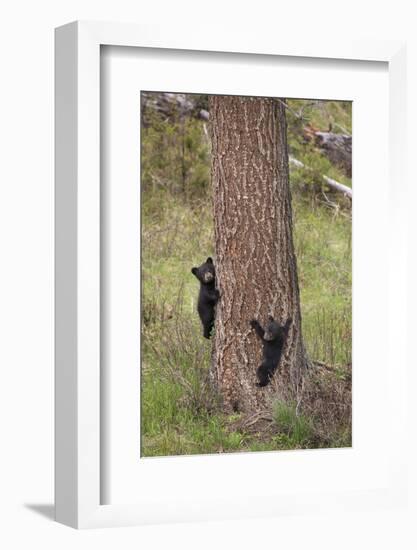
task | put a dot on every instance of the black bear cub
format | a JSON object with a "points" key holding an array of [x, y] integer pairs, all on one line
{"points": [[273, 338], [208, 296]]}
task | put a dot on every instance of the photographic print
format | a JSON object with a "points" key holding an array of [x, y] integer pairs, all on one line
{"points": [[246, 274]]}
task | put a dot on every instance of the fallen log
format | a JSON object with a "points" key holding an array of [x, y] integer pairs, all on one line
{"points": [[173, 105], [333, 184], [337, 147]]}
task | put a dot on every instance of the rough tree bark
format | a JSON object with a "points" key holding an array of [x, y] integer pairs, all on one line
{"points": [[256, 268]]}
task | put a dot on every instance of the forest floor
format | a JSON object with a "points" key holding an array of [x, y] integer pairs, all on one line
{"points": [[179, 413]]}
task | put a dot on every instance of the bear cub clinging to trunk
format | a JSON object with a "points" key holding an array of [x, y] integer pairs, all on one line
{"points": [[273, 338], [208, 295]]}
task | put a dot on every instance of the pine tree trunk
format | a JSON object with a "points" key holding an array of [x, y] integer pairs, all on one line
{"points": [[256, 269]]}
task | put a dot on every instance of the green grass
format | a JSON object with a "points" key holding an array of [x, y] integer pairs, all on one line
{"points": [[296, 427], [179, 413], [320, 114], [324, 260], [175, 237]]}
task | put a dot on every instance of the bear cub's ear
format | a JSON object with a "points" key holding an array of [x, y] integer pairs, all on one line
{"points": [[209, 260], [194, 271]]}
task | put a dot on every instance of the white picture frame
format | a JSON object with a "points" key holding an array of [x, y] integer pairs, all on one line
{"points": [[78, 404]]}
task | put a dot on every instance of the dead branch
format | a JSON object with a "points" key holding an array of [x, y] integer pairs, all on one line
{"points": [[333, 184]]}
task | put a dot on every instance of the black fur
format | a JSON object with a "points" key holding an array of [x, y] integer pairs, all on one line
{"points": [[208, 295], [273, 338]]}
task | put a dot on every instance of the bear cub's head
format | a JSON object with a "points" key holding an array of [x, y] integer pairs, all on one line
{"points": [[205, 273], [272, 330]]}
